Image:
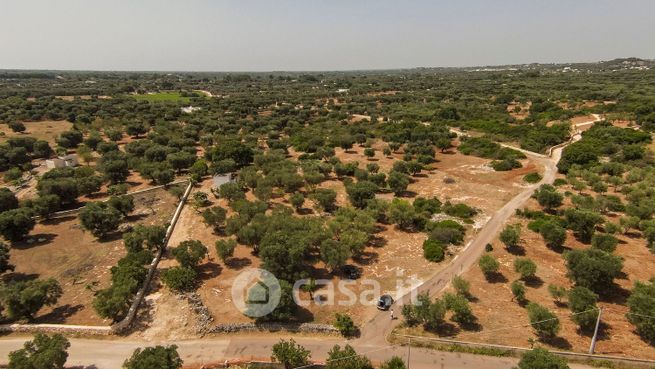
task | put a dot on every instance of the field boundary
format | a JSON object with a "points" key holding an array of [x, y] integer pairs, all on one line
{"points": [[64, 213], [518, 349], [131, 313]]}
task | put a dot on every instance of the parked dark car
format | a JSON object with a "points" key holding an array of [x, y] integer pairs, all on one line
{"points": [[385, 302]]}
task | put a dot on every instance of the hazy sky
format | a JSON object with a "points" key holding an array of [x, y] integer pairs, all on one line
{"points": [[249, 35]]}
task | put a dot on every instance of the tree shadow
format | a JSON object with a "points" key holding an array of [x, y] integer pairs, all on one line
{"points": [[420, 175], [366, 258], [377, 241], [19, 277], [36, 240], [305, 211], [534, 282], [113, 236], [136, 217], [209, 270], [59, 314], [238, 263], [516, 250], [558, 342], [615, 294], [496, 277], [443, 329], [559, 249], [410, 194], [58, 220]]}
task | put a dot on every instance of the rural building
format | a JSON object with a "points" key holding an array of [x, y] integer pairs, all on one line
{"points": [[62, 162], [221, 179]]}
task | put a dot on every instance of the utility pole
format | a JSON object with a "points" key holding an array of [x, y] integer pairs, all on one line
{"points": [[409, 351], [592, 347]]}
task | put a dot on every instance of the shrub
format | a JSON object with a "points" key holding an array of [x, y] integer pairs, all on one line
{"points": [[433, 250], [179, 279], [540, 358], [593, 268], [462, 286], [581, 300], [488, 265], [642, 307], [42, 352], [159, 357], [345, 325], [518, 290], [545, 323], [290, 354], [605, 242], [525, 267], [532, 177]]}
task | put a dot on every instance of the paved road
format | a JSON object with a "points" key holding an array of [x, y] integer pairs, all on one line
{"points": [[105, 353], [110, 354]]}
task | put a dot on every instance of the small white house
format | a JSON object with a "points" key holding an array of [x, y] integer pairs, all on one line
{"points": [[221, 179], [62, 162]]}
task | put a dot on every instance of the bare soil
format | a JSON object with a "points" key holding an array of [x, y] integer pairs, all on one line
{"points": [[394, 256], [61, 249], [47, 130], [504, 321]]}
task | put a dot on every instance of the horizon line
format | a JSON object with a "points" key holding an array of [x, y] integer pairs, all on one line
{"points": [[3, 69]]}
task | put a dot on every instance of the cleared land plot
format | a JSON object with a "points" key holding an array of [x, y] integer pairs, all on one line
{"points": [[47, 130], [394, 254], [61, 249]]}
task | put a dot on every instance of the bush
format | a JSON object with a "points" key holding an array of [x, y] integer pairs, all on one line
{"points": [[42, 352], [540, 358], [459, 210], [462, 286], [488, 265], [593, 268], [518, 290], [605, 242], [345, 325], [16, 224], [290, 354], [225, 248], [525, 267], [511, 235], [553, 234], [581, 300], [532, 177], [189, 253], [159, 357], [433, 250], [179, 279], [545, 323], [642, 307], [23, 299]]}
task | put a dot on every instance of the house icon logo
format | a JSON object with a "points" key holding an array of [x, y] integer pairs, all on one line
{"points": [[256, 292]]}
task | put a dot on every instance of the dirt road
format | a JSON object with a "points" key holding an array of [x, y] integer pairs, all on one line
{"points": [[104, 353], [380, 326], [110, 354]]}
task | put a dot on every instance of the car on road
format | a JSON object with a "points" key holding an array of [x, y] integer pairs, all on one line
{"points": [[385, 302]]}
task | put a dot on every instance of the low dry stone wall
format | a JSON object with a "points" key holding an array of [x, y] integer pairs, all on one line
{"points": [[56, 328], [272, 327]]}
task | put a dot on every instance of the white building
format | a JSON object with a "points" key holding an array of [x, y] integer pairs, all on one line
{"points": [[62, 162]]}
